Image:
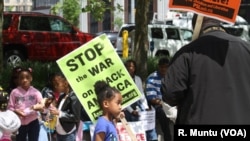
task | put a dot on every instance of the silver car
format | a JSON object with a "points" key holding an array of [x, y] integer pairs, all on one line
{"points": [[163, 39]]}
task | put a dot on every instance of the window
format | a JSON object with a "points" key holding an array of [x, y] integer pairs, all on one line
{"points": [[128, 28], [7, 22], [34, 23], [187, 34], [58, 25], [172, 33], [157, 33]]}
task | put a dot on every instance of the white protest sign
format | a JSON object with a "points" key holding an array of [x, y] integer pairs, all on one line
{"points": [[148, 119]]}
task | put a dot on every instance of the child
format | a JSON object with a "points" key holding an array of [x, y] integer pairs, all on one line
{"points": [[25, 101], [68, 110], [9, 121], [109, 100], [48, 90], [48, 121]]}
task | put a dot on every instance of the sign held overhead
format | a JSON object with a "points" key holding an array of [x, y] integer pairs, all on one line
{"points": [[224, 10]]}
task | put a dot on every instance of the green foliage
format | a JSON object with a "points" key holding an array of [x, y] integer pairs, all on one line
{"points": [[118, 22], [40, 72], [97, 8], [56, 9], [152, 64], [71, 11]]}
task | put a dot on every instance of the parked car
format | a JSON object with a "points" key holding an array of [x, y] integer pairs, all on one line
{"points": [[163, 39], [112, 35], [240, 28], [40, 37]]}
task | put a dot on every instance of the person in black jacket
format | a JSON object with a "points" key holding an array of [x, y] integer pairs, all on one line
{"points": [[208, 79], [68, 110]]}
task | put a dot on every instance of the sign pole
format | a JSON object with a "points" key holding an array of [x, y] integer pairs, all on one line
{"points": [[130, 133], [197, 28]]}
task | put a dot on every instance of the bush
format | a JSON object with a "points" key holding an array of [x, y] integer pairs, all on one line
{"points": [[40, 72]]}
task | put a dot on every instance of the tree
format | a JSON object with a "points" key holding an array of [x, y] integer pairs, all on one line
{"points": [[70, 10], [97, 9], [1, 34], [141, 37]]}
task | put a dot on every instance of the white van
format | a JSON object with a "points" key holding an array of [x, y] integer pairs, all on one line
{"points": [[163, 39]]}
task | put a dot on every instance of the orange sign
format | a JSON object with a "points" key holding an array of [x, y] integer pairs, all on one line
{"points": [[225, 10]]}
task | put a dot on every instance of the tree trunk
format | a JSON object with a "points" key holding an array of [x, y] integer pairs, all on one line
{"points": [[141, 38], [1, 35]]}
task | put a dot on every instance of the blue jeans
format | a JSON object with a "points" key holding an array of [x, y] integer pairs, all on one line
{"points": [[32, 130], [68, 137], [43, 135], [151, 135]]}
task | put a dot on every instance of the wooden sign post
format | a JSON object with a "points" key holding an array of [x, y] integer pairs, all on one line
{"points": [[197, 28], [130, 133]]}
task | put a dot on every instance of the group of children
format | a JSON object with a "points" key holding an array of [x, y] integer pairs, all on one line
{"points": [[58, 105], [34, 109]]}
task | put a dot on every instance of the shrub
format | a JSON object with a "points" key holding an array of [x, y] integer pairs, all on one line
{"points": [[40, 72]]}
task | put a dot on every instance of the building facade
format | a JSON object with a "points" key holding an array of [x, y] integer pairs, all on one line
{"points": [[112, 19], [18, 5]]}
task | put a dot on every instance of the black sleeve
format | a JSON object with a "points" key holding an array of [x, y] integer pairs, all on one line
{"points": [[175, 82]]}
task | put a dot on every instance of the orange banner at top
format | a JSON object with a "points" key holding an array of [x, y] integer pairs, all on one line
{"points": [[225, 10]]}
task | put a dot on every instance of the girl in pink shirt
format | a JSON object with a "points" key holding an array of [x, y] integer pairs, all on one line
{"points": [[25, 101]]}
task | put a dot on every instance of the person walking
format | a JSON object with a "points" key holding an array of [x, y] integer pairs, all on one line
{"points": [[208, 79]]}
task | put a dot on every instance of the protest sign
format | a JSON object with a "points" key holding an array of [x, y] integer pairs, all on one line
{"points": [[94, 61], [148, 119], [136, 128], [224, 10]]}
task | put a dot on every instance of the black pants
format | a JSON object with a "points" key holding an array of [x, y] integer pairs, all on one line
{"points": [[167, 126], [32, 130]]}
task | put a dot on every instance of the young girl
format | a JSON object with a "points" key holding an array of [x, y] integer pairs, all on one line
{"points": [[9, 121], [25, 101], [68, 110], [109, 100]]}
